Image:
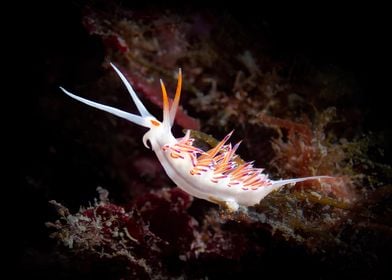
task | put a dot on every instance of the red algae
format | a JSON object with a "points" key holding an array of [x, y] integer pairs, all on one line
{"points": [[303, 149], [157, 227]]}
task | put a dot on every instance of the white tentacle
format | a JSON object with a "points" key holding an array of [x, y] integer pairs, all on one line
{"points": [[142, 110], [117, 112]]}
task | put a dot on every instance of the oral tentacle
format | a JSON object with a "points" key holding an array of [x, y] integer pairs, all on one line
{"points": [[117, 112], [140, 106]]}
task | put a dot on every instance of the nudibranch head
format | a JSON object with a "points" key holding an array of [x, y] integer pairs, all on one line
{"points": [[158, 129]]}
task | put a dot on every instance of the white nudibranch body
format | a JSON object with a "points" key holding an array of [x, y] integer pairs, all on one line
{"points": [[212, 175]]}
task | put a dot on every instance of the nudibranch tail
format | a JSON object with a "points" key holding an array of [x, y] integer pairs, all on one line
{"points": [[283, 182]]}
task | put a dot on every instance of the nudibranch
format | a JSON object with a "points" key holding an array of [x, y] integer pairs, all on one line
{"points": [[213, 175]]}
